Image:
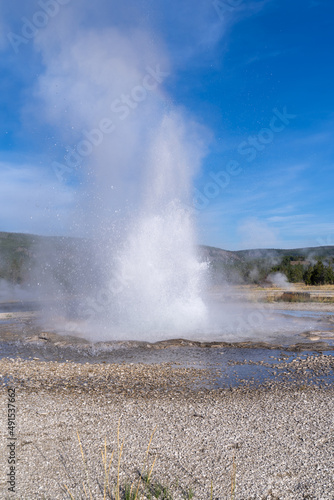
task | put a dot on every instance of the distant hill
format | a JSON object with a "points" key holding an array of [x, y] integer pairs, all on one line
{"points": [[272, 253], [254, 266], [21, 252], [265, 253], [15, 254], [218, 255]]}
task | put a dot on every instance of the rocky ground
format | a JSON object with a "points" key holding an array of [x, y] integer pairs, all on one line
{"points": [[273, 441], [267, 436]]}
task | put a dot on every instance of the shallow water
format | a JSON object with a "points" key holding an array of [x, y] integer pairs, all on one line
{"points": [[227, 367], [305, 314], [246, 358]]}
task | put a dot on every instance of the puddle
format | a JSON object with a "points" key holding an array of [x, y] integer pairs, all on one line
{"points": [[305, 314]]}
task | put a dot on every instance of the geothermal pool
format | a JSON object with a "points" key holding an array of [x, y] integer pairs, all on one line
{"points": [[274, 335], [232, 325]]}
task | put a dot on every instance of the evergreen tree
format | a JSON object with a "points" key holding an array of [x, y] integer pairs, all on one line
{"points": [[318, 276], [295, 273], [307, 277], [329, 275]]}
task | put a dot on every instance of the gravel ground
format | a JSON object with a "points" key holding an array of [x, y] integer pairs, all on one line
{"points": [[275, 441]]}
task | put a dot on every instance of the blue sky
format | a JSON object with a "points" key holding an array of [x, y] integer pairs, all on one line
{"points": [[255, 76]]}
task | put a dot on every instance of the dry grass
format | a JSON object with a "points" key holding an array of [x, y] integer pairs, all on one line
{"points": [[143, 488], [301, 297], [233, 478], [294, 297]]}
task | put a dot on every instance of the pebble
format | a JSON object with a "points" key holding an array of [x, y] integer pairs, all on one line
{"points": [[273, 440]]}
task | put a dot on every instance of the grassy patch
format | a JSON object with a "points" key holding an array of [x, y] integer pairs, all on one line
{"points": [[300, 297], [294, 297]]}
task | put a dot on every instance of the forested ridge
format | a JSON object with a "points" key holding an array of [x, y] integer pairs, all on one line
{"points": [[19, 253]]}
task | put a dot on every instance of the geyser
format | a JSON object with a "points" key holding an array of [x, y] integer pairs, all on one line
{"points": [[149, 282], [135, 273], [156, 280]]}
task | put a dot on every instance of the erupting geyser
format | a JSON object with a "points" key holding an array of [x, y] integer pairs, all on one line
{"points": [[132, 158], [156, 284], [150, 279], [156, 280]]}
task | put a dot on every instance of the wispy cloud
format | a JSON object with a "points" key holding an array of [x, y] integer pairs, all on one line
{"points": [[30, 201], [256, 233], [292, 219]]}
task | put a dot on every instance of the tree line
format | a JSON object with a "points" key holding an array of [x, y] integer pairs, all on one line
{"points": [[298, 270]]}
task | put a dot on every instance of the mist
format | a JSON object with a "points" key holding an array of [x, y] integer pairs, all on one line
{"points": [[279, 279], [130, 269]]}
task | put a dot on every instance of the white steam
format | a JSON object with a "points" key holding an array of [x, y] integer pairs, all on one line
{"points": [[10, 292], [133, 203], [159, 278], [280, 280]]}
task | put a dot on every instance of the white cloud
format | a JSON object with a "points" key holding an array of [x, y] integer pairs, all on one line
{"points": [[256, 233], [291, 219]]}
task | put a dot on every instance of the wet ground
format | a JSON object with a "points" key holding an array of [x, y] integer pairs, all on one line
{"points": [[231, 363]]}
